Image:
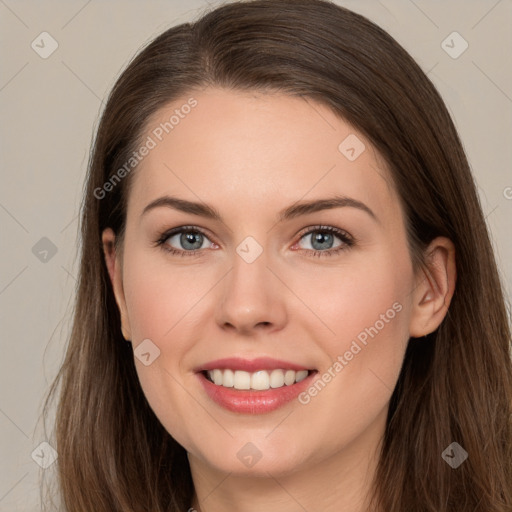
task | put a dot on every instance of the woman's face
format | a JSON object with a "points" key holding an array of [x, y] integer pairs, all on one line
{"points": [[267, 280]]}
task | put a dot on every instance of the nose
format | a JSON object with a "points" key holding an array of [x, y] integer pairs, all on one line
{"points": [[252, 298]]}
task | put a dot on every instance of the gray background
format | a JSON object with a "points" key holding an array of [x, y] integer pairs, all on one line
{"points": [[51, 106]]}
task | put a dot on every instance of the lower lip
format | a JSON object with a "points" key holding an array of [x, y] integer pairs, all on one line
{"points": [[253, 401]]}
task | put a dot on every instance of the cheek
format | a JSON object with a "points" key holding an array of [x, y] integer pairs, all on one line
{"points": [[367, 308], [160, 302], [159, 297], [356, 296]]}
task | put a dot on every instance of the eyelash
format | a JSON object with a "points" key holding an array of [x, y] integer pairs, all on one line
{"points": [[348, 241]]}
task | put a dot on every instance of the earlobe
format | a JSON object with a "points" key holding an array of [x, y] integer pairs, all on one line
{"points": [[435, 286], [113, 264]]}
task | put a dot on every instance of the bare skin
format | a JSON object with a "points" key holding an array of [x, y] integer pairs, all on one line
{"points": [[250, 156]]}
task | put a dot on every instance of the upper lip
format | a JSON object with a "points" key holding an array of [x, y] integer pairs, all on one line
{"points": [[251, 365]]}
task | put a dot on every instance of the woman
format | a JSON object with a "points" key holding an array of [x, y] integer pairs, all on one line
{"points": [[281, 222]]}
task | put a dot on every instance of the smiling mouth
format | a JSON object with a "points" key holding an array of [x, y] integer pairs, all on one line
{"points": [[261, 380]]}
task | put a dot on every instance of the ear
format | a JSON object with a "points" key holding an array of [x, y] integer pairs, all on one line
{"points": [[113, 262], [435, 285]]}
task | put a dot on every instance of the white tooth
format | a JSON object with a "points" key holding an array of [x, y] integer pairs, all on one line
{"points": [[301, 375], [260, 380], [217, 377], [228, 380], [289, 377], [277, 379], [242, 380]]}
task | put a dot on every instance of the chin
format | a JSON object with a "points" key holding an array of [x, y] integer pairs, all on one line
{"points": [[257, 459]]}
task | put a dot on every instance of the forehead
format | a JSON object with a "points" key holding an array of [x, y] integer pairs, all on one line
{"points": [[254, 150]]}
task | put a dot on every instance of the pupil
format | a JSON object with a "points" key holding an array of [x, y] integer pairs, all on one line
{"points": [[321, 238], [191, 238]]}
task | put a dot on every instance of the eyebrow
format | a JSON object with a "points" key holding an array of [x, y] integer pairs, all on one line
{"points": [[291, 212]]}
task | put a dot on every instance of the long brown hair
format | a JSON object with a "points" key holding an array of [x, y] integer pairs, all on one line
{"points": [[454, 386]]}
